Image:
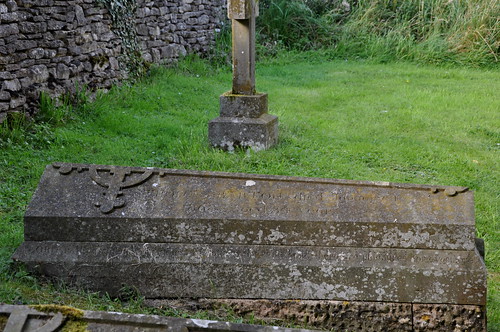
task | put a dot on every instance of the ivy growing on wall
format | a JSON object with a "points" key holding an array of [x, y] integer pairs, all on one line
{"points": [[123, 16]]}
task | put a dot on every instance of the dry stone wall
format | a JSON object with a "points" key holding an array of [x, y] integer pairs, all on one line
{"points": [[55, 45]]}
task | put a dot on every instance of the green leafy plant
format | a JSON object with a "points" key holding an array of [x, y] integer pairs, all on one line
{"points": [[432, 31], [220, 52], [464, 32], [13, 127], [50, 112], [123, 16], [294, 24]]}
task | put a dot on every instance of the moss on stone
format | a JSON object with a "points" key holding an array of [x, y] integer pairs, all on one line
{"points": [[75, 326], [74, 322], [69, 312], [3, 321], [99, 60]]}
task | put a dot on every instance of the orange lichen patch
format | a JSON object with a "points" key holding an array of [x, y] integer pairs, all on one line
{"points": [[426, 317]]}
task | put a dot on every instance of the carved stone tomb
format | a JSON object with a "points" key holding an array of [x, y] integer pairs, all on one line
{"points": [[188, 234]]}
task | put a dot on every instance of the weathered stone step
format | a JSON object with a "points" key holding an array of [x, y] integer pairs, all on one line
{"points": [[267, 272]]}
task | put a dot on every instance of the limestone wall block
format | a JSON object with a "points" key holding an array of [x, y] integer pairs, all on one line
{"points": [[4, 107], [11, 5], [36, 53], [39, 73], [11, 85], [17, 102], [8, 29], [9, 17], [4, 95], [5, 75], [56, 25], [31, 27]]}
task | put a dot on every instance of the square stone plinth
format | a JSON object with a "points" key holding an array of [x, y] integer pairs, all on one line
{"points": [[247, 106], [257, 133]]}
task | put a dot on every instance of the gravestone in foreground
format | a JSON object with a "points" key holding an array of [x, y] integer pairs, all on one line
{"points": [[188, 234], [43, 318], [243, 119]]}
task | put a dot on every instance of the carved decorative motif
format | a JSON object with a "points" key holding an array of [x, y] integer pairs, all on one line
{"points": [[19, 315], [113, 178]]}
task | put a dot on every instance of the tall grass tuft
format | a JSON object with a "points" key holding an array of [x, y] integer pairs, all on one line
{"points": [[292, 24], [432, 31], [464, 32]]}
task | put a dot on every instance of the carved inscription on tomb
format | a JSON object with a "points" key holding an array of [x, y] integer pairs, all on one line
{"points": [[235, 198], [299, 255], [177, 233], [173, 193]]}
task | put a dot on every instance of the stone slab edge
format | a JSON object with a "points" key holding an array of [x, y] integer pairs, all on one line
{"points": [[346, 315], [449, 190], [19, 316], [197, 271], [207, 207]]}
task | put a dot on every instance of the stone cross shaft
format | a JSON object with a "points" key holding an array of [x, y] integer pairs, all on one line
{"points": [[242, 14]]}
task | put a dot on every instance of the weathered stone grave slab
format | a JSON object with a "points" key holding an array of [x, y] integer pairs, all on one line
{"points": [[173, 233], [49, 318]]}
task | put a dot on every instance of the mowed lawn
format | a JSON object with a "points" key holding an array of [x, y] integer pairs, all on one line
{"points": [[357, 120]]}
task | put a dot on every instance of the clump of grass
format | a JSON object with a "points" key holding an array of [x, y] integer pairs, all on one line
{"points": [[465, 32], [431, 31], [293, 24], [219, 54], [50, 112], [13, 128]]}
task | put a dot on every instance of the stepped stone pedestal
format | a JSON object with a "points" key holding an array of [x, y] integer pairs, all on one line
{"points": [[188, 234], [243, 122]]}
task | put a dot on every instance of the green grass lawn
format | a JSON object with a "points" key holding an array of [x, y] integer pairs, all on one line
{"points": [[395, 122]]}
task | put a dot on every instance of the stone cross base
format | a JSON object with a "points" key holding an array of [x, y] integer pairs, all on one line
{"points": [[345, 315], [243, 122]]}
